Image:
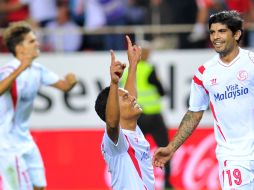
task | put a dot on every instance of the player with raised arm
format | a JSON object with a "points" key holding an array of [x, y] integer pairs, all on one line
{"points": [[124, 147], [20, 81]]}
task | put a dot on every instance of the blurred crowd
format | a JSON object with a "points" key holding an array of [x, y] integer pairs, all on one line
{"points": [[60, 23]]}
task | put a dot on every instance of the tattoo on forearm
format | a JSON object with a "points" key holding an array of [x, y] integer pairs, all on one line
{"points": [[189, 123]]}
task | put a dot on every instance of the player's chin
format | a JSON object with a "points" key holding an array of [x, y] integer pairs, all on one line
{"points": [[139, 109], [37, 53]]}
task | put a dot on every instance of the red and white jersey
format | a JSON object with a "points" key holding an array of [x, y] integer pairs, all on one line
{"points": [[129, 161], [229, 89], [17, 103]]}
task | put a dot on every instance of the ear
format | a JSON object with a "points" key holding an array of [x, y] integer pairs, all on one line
{"points": [[237, 35]]}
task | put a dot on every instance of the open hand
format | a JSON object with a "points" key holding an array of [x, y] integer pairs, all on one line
{"points": [[71, 78], [162, 156]]}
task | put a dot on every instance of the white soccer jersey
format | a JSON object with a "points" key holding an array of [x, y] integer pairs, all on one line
{"points": [[6, 115], [129, 161], [16, 104], [229, 88]]}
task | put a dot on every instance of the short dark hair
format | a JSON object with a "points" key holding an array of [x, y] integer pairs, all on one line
{"points": [[231, 19], [101, 102], [15, 34]]}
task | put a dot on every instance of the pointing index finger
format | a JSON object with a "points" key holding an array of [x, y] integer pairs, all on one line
{"points": [[113, 57], [128, 41]]}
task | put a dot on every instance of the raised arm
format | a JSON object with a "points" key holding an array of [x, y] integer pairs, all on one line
{"points": [[112, 107], [6, 83], [134, 54], [188, 124]]}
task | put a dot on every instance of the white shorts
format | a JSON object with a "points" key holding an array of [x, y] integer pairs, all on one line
{"points": [[13, 173], [236, 174], [35, 166]]}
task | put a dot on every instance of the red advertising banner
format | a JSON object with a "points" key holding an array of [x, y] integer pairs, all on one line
{"points": [[73, 160]]}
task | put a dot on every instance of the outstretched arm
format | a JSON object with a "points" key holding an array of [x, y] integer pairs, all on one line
{"points": [[67, 83], [188, 124], [112, 107], [134, 54]]}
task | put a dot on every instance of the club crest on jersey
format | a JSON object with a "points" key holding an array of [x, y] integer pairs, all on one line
{"points": [[213, 81], [242, 75]]}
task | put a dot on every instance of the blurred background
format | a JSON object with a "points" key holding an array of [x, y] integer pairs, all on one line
{"points": [[76, 35]]}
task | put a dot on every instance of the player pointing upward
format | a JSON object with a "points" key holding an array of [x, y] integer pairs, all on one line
{"points": [[124, 147]]}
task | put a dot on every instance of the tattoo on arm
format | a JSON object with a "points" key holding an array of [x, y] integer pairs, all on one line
{"points": [[188, 124]]}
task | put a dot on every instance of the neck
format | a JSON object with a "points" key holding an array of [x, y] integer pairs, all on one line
{"points": [[128, 124], [227, 58]]}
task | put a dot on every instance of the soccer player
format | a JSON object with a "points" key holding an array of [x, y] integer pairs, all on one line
{"points": [[150, 92], [20, 80], [226, 82], [124, 146]]}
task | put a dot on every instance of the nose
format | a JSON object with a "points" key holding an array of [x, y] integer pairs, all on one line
{"points": [[216, 35], [133, 98], [37, 43]]}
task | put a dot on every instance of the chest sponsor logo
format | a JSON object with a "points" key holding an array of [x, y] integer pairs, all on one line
{"points": [[231, 92], [145, 155]]}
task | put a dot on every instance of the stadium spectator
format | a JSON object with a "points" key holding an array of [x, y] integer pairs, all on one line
{"points": [[205, 8], [226, 83], [77, 11], [189, 8], [135, 12], [20, 14], [94, 20], [245, 7], [20, 80], [64, 35], [115, 13], [40, 11], [124, 147]]}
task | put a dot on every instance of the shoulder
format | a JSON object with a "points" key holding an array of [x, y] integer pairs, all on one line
{"points": [[250, 55], [115, 149], [211, 62], [207, 65], [38, 66], [9, 66], [246, 54]]}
